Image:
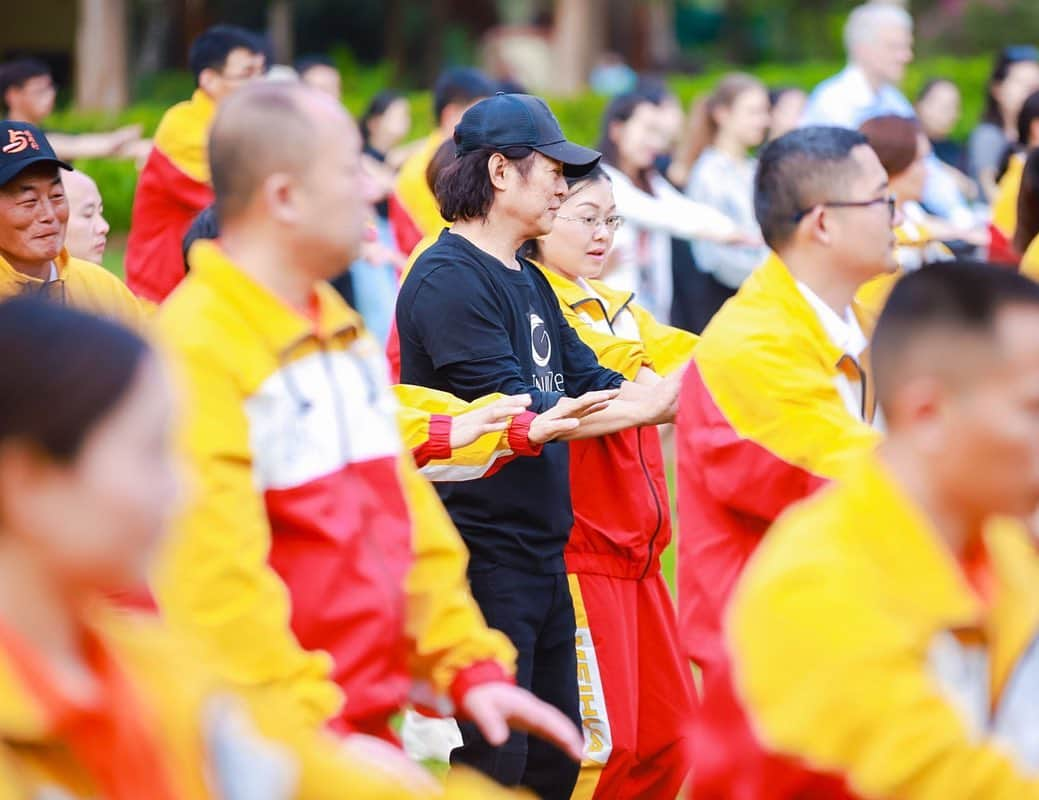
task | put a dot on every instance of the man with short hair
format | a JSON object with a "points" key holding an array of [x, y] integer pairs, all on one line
{"points": [[174, 185], [87, 233], [413, 208], [308, 511], [34, 215], [878, 39], [778, 397], [474, 319], [27, 94], [883, 637]]}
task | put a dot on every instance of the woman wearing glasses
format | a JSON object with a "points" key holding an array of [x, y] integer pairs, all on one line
{"points": [[630, 669]]}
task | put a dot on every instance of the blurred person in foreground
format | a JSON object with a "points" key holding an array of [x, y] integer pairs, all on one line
{"points": [[34, 218], [637, 694], [95, 701], [778, 398], [27, 94], [86, 235], [174, 185], [413, 209], [884, 637], [878, 38], [475, 318], [315, 560]]}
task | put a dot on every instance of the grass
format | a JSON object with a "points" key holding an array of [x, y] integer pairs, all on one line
{"points": [[115, 255]]}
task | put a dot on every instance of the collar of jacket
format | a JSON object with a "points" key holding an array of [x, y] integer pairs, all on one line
{"points": [[773, 283], [578, 298], [281, 326], [12, 281], [913, 555]]}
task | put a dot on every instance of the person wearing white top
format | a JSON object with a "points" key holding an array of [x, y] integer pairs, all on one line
{"points": [[878, 38], [653, 209]]}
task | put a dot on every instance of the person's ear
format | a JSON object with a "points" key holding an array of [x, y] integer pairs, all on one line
{"points": [[280, 197], [497, 166], [209, 81], [815, 226]]}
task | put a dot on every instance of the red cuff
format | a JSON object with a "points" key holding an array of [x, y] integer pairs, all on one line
{"points": [[477, 675], [519, 432], [438, 444]]}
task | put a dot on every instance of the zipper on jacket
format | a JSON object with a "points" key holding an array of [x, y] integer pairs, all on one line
{"points": [[337, 401], [656, 499]]}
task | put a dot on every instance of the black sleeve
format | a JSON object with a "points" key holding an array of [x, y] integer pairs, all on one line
{"points": [[459, 320], [583, 371]]}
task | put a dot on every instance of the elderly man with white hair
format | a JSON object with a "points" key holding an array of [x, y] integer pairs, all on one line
{"points": [[878, 38]]}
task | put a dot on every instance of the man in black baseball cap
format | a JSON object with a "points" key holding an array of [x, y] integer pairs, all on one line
{"points": [[475, 318], [34, 213]]}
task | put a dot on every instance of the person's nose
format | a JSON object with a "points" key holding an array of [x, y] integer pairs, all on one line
{"points": [[103, 227]]}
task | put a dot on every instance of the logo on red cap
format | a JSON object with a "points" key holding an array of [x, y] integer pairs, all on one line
{"points": [[20, 140]]}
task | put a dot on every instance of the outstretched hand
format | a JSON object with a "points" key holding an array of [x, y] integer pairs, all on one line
{"points": [[468, 427], [566, 415], [497, 707]]}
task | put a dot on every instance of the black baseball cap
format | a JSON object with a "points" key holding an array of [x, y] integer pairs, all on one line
{"points": [[521, 120], [22, 145]]}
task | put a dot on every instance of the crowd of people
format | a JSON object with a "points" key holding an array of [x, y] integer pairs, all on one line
{"points": [[367, 461]]}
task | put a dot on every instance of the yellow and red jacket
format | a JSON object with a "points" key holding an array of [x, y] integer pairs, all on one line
{"points": [[1004, 212], [414, 208], [211, 744], [622, 515], [309, 513], [1030, 260], [761, 424], [862, 653], [81, 284], [172, 189]]}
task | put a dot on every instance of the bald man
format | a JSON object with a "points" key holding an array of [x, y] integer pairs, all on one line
{"points": [[313, 548], [86, 234]]}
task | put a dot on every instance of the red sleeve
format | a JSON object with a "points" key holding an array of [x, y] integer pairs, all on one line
{"points": [[478, 674], [405, 230], [438, 445]]}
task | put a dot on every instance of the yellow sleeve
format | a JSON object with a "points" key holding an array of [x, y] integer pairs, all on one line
{"points": [[416, 407], [183, 134], [831, 678], [669, 348], [625, 356], [444, 623], [213, 581]]}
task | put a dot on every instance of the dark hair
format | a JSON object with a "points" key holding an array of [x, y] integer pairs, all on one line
{"points": [[621, 109], [1028, 204], [530, 249], [212, 47], [1000, 69], [932, 84], [654, 88], [204, 226], [962, 296], [895, 140], [376, 108], [443, 156], [797, 171], [304, 63], [15, 74], [76, 365], [776, 93], [1025, 120], [460, 85], [463, 188]]}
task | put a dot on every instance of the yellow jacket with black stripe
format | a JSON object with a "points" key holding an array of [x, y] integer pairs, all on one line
{"points": [[860, 650], [313, 548]]}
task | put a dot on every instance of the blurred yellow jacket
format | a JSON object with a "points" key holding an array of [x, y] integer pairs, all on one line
{"points": [[1004, 206], [312, 548], [861, 651], [413, 191]]}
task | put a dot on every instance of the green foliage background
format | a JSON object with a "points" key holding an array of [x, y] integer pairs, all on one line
{"points": [[579, 116]]}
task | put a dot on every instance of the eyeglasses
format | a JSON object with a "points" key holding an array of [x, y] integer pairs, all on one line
{"points": [[889, 199], [611, 222]]}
